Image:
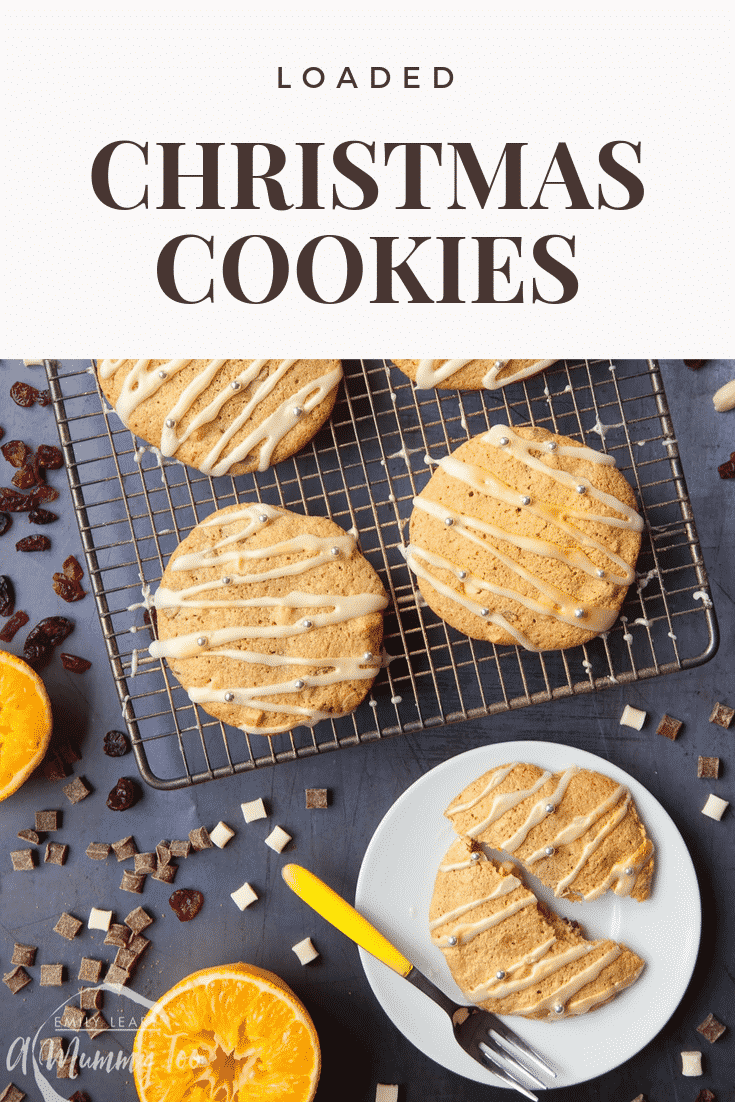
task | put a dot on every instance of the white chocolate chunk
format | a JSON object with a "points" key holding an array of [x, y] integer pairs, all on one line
{"points": [[715, 808], [691, 1063], [221, 834], [244, 896], [253, 810], [724, 398], [632, 717], [33, 363], [278, 839], [386, 1093], [99, 920], [305, 951]]}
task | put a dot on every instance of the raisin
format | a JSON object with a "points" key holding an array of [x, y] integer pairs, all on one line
{"points": [[37, 654], [186, 903], [49, 457], [123, 795], [7, 596], [14, 502], [72, 569], [33, 543], [42, 516], [44, 493], [14, 624], [23, 394], [66, 589], [25, 477], [727, 470], [694, 364], [115, 744], [5, 522], [53, 630], [16, 452], [2, 432], [74, 663]]}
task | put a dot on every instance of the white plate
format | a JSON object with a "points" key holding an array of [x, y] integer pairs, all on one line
{"points": [[396, 883]]}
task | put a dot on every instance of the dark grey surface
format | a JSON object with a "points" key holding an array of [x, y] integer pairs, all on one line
{"points": [[360, 1046]]}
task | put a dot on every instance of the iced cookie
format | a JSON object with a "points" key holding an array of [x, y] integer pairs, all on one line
{"points": [[222, 416], [578, 831], [512, 955], [522, 536], [469, 374], [270, 619]]}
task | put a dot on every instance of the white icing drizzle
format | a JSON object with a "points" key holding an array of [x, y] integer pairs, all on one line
{"points": [[496, 777], [428, 375], [575, 983], [506, 801], [466, 931], [506, 885], [333, 609], [538, 812], [143, 382], [498, 989]]}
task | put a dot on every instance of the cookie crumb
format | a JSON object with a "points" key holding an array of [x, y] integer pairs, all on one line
{"points": [[22, 859], [16, 980], [253, 810], [68, 926], [691, 1063], [52, 975], [244, 896], [316, 797], [99, 920], [722, 715], [669, 727], [305, 950], [708, 767], [711, 1028], [76, 791], [278, 839], [56, 853], [221, 834], [715, 808], [633, 717]]}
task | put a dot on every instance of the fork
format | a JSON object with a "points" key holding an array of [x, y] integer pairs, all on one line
{"points": [[482, 1035]]}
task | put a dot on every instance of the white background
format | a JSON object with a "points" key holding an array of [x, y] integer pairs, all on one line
{"points": [[80, 279]]}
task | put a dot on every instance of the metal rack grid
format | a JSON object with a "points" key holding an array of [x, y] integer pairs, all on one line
{"points": [[363, 470]]}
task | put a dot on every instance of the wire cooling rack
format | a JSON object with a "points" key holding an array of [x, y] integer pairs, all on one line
{"points": [[363, 470]]}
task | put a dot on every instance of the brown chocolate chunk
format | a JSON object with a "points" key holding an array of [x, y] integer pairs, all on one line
{"points": [[722, 715], [694, 364], [54, 768], [316, 797], [52, 975], [132, 882], [708, 767], [116, 975], [125, 959], [669, 727], [163, 853], [12, 1094], [77, 791], [68, 926], [138, 944], [123, 795], [67, 751], [24, 954], [80, 1096], [95, 1025], [98, 851], [22, 859], [51, 1050], [125, 848], [29, 836], [186, 903], [199, 838], [56, 853], [90, 970], [138, 920], [117, 935], [145, 862], [165, 873], [67, 1068], [48, 820], [73, 1017], [17, 979], [706, 1095], [91, 998], [711, 1028]]}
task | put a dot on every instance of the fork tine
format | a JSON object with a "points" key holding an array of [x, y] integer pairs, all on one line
{"points": [[512, 1038], [504, 1075], [508, 1055]]}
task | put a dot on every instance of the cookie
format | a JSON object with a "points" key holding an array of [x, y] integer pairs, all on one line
{"points": [[222, 416], [522, 536], [469, 374], [270, 619], [512, 955], [578, 831]]}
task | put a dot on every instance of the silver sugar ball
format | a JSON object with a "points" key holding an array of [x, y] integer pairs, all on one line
{"points": [[484, 612], [503, 441], [549, 851], [462, 574], [229, 697], [500, 974], [298, 683], [451, 940], [334, 551], [549, 808], [525, 500], [226, 581], [202, 641], [235, 384], [306, 623], [581, 489], [449, 521], [170, 422], [262, 517], [367, 656], [162, 375], [552, 445], [475, 856], [629, 871], [579, 613], [498, 363], [558, 1009], [600, 573], [297, 411]]}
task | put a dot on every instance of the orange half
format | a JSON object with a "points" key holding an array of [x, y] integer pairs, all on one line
{"points": [[233, 1033], [25, 722]]}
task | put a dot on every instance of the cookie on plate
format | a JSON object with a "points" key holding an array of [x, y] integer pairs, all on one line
{"points": [[469, 374], [222, 416], [578, 831], [270, 619], [523, 536], [512, 955]]}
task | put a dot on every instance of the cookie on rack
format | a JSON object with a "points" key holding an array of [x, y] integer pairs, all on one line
{"points": [[222, 416], [469, 374], [578, 831], [270, 619], [524, 536], [512, 955]]}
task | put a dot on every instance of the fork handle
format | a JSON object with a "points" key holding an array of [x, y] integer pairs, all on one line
{"points": [[325, 901]]}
